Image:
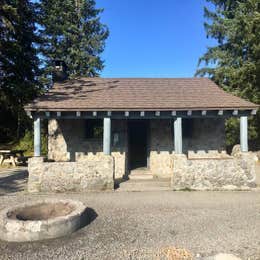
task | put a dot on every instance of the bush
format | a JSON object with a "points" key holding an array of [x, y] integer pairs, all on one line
{"points": [[26, 143]]}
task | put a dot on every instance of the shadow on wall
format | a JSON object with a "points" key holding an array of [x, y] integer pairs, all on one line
{"points": [[69, 142], [204, 135], [69, 138]]}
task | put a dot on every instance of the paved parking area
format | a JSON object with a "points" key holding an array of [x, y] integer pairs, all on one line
{"points": [[135, 225], [13, 180]]}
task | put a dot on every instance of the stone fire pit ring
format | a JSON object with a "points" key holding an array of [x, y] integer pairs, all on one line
{"points": [[44, 219]]}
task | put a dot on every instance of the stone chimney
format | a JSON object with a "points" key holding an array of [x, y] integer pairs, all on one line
{"points": [[59, 71]]}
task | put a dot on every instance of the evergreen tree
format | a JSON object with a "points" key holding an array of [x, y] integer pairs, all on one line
{"points": [[18, 63], [72, 32], [234, 63]]}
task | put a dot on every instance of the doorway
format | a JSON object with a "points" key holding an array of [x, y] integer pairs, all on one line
{"points": [[138, 143]]}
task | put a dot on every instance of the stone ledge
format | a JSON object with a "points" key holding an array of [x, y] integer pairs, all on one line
{"points": [[210, 174], [88, 175]]}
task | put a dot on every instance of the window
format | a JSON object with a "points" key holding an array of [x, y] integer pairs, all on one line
{"points": [[94, 128], [187, 127]]}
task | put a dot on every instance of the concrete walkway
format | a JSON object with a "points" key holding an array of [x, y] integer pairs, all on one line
{"points": [[13, 180]]}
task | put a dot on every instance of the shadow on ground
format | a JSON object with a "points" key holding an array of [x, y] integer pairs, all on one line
{"points": [[13, 180]]}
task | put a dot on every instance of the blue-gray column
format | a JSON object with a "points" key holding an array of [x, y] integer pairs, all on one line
{"points": [[107, 136], [37, 137], [178, 135], [243, 134]]}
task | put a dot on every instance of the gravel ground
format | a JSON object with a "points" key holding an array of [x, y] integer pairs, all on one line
{"points": [[135, 225]]}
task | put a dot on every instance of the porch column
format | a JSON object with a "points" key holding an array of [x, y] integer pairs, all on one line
{"points": [[177, 135], [37, 136], [107, 136], [243, 134]]}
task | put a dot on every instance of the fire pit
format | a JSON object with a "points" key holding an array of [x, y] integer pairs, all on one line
{"points": [[41, 220]]}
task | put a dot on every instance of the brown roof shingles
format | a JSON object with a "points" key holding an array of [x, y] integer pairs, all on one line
{"points": [[138, 94]]}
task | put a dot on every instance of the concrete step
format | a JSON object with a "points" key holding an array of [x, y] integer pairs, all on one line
{"points": [[140, 171], [140, 176], [145, 185]]}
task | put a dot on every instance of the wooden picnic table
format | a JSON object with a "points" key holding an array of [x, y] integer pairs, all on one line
{"points": [[12, 156]]}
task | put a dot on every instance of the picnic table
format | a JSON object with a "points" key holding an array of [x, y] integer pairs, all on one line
{"points": [[12, 156]]}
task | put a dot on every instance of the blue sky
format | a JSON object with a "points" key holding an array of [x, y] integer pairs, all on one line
{"points": [[151, 38]]}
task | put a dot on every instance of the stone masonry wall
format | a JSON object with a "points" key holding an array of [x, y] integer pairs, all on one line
{"points": [[67, 142], [161, 148], [214, 174], [207, 134], [91, 174]]}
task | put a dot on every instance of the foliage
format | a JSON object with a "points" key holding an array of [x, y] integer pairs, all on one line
{"points": [[19, 64], [32, 35], [234, 63], [71, 31], [26, 143]]}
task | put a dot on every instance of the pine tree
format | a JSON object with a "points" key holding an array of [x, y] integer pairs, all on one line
{"points": [[234, 63], [18, 62], [72, 32]]}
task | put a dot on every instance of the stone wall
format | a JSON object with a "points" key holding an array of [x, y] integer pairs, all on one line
{"points": [[67, 142], [96, 173], [161, 148], [206, 135], [214, 174]]}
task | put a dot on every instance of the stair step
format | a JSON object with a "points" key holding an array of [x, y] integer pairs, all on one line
{"points": [[142, 184], [144, 189], [140, 177], [138, 172], [145, 185]]}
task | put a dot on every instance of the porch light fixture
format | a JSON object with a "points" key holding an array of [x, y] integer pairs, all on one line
{"points": [[173, 113], [126, 113], [253, 112], [109, 113], [58, 114], [142, 113], [220, 112], [157, 113], [47, 114], [94, 113], [78, 114], [204, 112]]}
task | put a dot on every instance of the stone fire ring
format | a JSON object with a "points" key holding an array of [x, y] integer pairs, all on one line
{"points": [[45, 219]]}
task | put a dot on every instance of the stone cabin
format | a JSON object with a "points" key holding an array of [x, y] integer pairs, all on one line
{"points": [[103, 130]]}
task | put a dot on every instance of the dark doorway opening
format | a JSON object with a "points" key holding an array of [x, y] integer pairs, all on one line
{"points": [[137, 143]]}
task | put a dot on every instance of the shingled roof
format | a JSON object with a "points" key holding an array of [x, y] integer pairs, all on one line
{"points": [[130, 94]]}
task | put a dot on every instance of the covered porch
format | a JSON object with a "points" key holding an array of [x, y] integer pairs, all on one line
{"points": [[156, 140]]}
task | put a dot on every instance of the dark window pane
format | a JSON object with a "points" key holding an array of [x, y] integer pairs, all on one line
{"points": [[94, 128]]}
